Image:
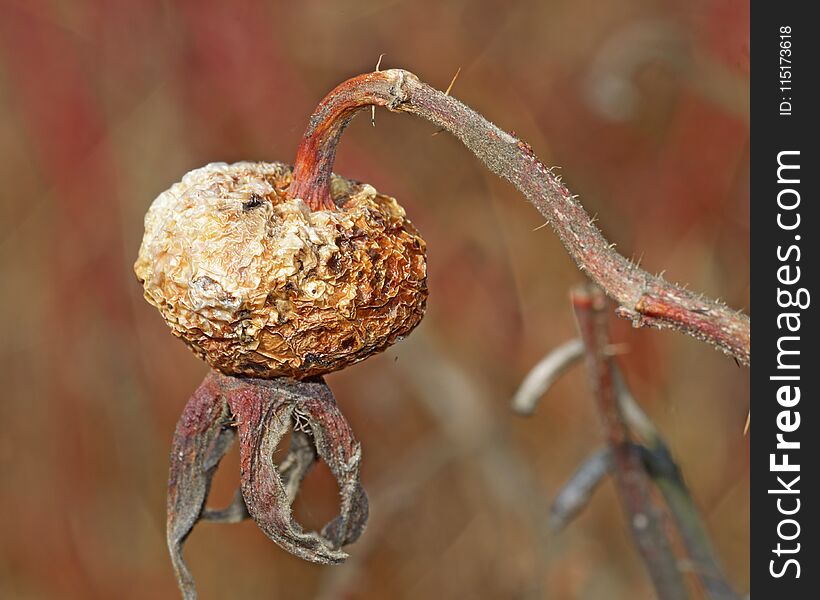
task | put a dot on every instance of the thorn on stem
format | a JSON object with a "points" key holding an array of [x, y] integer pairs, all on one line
{"points": [[452, 82], [373, 107]]}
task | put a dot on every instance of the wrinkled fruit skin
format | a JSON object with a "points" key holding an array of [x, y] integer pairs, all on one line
{"points": [[258, 285]]}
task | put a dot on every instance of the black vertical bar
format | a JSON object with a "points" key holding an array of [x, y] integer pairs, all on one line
{"points": [[784, 175]]}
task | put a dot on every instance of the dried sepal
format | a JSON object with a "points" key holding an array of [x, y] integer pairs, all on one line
{"points": [[258, 285], [235, 512], [262, 412], [265, 411], [300, 458], [203, 436], [338, 448]]}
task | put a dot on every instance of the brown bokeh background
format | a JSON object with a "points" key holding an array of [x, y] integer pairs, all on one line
{"points": [[103, 104]]}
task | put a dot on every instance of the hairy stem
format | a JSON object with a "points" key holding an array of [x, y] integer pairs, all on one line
{"points": [[646, 299]]}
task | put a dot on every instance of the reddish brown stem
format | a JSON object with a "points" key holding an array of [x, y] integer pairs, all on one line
{"points": [[317, 151], [646, 299], [634, 485]]}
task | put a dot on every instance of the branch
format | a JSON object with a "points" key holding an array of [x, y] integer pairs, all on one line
{"points": [[631, 478], [576, 493], [646, 299], [668, 478], [543, 375], [656, 457]]}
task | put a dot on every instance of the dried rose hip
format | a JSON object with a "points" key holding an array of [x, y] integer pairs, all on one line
{"points": [[275, 276], [259, 285]]}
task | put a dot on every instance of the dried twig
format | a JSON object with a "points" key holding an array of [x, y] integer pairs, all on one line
{"points": [[646, 299], [656, 458], [668, 478], [543, 375], [633, 483], [575, 494]]}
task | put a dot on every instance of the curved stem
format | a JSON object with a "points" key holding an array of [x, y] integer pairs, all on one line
{"points": [[317, 151], [646, 299]]}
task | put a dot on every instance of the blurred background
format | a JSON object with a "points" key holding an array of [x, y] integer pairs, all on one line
{"points": [[642, 103]]}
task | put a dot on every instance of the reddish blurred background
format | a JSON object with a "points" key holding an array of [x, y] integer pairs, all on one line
{"points": [[643, 103]]}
